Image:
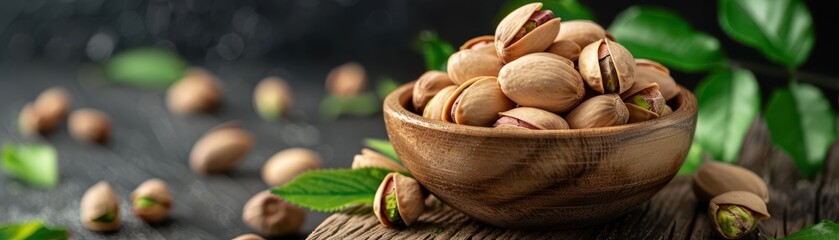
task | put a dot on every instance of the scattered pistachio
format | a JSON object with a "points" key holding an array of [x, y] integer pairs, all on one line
{"points": [[272, 98], [287, 164], [89, 125], [399, 201], [370, 158], [198, 91], [152, 201], [269, 215], [346, 80], [736, 214], [45, 113], [100, 208], [713, 179], [220, 149], [249, 237]]}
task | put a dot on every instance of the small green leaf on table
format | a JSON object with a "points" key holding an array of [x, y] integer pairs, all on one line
{"points": [[781, 29], [692, 160], [435, 51], [729, 101], [802, 123], [334, 189], [384, 147], [565, 9], [364, 104], [824, 230], [664, 36], [35, 164], [35, 230], [385, 86], [146, 67]]}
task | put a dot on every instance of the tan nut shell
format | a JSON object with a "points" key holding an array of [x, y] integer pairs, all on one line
{"points": [[434, 108], [636, 113], [712, 179], [467, 64], [542, 82], [156, 190], [481, 99], [220, 149], [272, 98], [346, 80], [740, 198], [484, 44], [97, 201], [582, 32], [269, 215], [427, 86], [589, 65], [410, 199], [536, 41], [198, 91], [647, 70], [370, 158], [539, 118], [565, 48], [600, 111], [89, 125], [52, 103], [249, 236], [667, 111], [287, 164], [31, 123]]}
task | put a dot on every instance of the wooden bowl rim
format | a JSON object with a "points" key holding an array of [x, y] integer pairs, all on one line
{"points": [[687, 108]]}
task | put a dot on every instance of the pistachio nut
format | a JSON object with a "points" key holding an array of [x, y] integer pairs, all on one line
{"points": [[736, 214], [370, 158], [346, 80], [607, 67], [525, 30], [427, 86], [249, 236], [198, 91], [467, 64], [554, 56], [269, 215], [581, 32], [531, 118], [542, 82], [46, 112], [399, 201], [287, 164], [435, 106], [599, 111], [644, 101], [485, 44], [476, 102], [31, 123], [99, 208], [713, 178], [272, 98], [565, 48], [89, 125], [151, 201], [220, 149], [646, 70]]}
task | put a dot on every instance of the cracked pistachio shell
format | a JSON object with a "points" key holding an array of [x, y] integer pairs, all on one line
{"points": [[581, 32], [754, 206], [270, 215], [89, 125], [370, 158], [346, 80], [435, 106], [621, 66], [484, 44], [637, 113], [220, 149], [45, 113], [531, 118], [476, 102], [287, 164], [410, 199], [599, 111], [157, 191], [198, 91], [713, 178], [467, 64], [272, 98], [646, 70], [537, 40], [100, 200], [542, 82], [554, 56], [31, 123], [565, 48], [249, 236], [427, 86]]}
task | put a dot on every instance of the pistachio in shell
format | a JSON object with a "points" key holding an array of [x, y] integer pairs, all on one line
{"points": [[434, 108], [736, 214], [270, 215], [427, 86], [31, 123], [99, 208], [220, 149], [531, 118], [370, 158], [46, 112], [89, 125], [525, 30], [647, 70], [644, 101], [272, 98], [607, 67], [484, 44], [467, 64], [713, 178], [581, 32], [287, 164], [197, 92], [476, 102], [249, 236], [151, 201], [346, 80], [565, 48], [399, 201], [599, 111], [542, 82]]}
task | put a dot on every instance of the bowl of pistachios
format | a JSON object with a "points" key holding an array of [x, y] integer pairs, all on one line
{"points": [[545, 125]]}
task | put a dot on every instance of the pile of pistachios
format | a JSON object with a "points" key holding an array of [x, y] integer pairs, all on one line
{"points": [[538, 73], [737, 197]]}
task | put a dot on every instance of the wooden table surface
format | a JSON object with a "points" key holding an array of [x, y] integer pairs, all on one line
{"points": [[673, 213]]}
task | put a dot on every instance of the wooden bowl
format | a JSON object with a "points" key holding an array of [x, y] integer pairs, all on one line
{"points": [[545, 179]]}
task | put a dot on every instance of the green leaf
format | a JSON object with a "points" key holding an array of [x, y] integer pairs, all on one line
{"points": [[729, 101], [781, 29], [664, 36], [332, 190], [824, 230], [385, 86], [384, 147], [145, 202], [146, 67], [34, 164], [565, 9], [35, 230], [435, 50], [692, 161], [364, 104], [802, 123]]}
